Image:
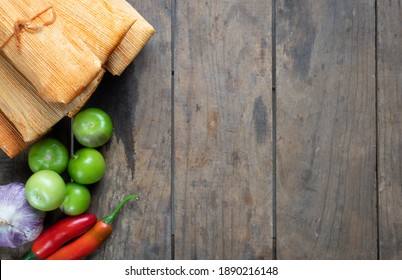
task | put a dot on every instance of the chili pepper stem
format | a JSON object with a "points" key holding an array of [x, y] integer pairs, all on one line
{"points": [[29, 256], [109, 219]]}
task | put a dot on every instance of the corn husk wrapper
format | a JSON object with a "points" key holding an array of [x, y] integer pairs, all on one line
{"points": [[52, 58], [20, 102], [134, 41], [11, 141], [100, 25], [72, 109], [19, 131], [27, 108]]}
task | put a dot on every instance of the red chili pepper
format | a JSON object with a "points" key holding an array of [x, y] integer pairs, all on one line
{"points": [[92, 239], [58, 234]]}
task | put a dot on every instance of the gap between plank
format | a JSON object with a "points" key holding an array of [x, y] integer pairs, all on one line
{"points": [[376, 125], [172, 130], [274, 123]]}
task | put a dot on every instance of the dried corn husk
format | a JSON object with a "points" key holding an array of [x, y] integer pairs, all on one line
{"points": [[30, 115], [134, 41], [20, 102], [57, 63], [100, 25], [72, 109], [10, 140]]}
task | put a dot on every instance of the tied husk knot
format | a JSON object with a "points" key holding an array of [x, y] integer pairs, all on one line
{"points": [[20, 25]]}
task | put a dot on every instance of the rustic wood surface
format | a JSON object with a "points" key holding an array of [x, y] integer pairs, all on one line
{"points": [[222, 130], [390, 128], [253, 130], [326, 124]]}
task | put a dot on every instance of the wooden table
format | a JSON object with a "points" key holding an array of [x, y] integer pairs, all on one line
{"points": [[259, 129]]}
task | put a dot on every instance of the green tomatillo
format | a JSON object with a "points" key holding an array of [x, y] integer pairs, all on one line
{"points": [[92, 127]]}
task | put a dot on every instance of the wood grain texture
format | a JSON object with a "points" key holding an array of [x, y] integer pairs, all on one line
{"points": [[138, 156], [215, 200], [222, 100], [326, 130], [390, 128]]}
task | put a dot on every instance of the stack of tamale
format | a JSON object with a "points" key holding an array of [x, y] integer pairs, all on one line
{"points": [[53, 55]]}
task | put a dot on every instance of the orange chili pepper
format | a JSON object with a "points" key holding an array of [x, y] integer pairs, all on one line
{"points": [[92, 239]]}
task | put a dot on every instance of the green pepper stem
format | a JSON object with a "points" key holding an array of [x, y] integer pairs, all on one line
{"points": [[110, 218], [30, 256]]}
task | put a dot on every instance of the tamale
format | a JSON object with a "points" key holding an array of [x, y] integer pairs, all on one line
{"points": [[35, 41], [28, 113], [100, 25], [20, 102], [72, 109], [11, 141], [134, 41]]}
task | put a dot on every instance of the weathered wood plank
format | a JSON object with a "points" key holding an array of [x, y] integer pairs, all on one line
{"points": [[222, 100], [326, 130], [390, 128], [138, 156]]}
